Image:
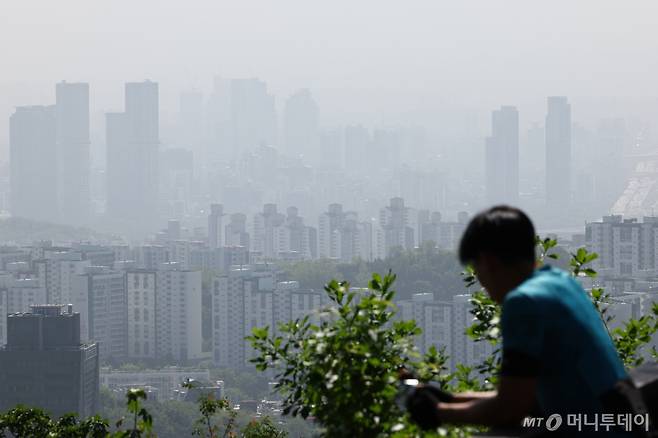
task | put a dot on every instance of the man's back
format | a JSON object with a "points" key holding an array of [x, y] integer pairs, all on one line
{"points": [[550, 320]]}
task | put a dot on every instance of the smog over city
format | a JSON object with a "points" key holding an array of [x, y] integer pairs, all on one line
{"points": [[179, 180]]}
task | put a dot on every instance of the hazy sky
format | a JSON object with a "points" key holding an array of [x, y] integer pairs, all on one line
{"points": [[358, 57]]}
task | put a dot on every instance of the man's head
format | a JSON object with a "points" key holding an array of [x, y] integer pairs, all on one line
{"points": [[499, 243]]}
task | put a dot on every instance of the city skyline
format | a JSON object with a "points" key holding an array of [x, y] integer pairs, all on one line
{"points": [[225, 212], [230, 150]]}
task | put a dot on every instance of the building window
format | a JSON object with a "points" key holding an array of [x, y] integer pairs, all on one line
{"points": [[626, 268], [626, 234], [136, 314], [626, 252]]}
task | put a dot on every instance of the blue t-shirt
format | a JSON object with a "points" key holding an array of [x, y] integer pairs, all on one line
{"points": [[551, 319]]}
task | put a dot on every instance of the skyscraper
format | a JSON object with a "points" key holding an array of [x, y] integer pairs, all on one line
{"points": [[558, 153], [267, 227], [395, 228], [215, 228], [609, 175], [300, 125], [49, 148], [132, 140], [44, 363], [107, 312], [177, 313], [236, 231], [72, 116], [252, 114], [141, 291], [240, 116], [502, 157], [33, 157]]}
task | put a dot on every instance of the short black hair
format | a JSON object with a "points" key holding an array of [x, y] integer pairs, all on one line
{"points": [[503, 231]]}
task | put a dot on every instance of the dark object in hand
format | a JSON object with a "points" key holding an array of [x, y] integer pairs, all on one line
{"points": [[422, 407], [421, 399]]}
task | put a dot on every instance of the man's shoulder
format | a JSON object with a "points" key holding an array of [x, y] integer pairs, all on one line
{"points": [[547, 279], [546, 284]]}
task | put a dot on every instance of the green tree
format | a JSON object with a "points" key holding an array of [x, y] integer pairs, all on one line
{"points": [[264, 428], [342, 371], [142, 421]]}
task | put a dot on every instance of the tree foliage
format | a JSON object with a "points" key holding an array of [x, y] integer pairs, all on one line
{"points": [[26, 422], [419, 269], [343, 370]]}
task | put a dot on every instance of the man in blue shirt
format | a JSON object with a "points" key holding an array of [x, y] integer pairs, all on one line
{"points": [[557, 356]]}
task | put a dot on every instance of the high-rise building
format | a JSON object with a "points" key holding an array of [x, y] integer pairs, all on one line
{"points": [[558, 153], [608, 163], [141, 292], [627, 248], [249, 297], [181, 251], [45, 365], [502, 157], [17, 294], [178, 313], [432, 316], [236, 231], [176, 176], [132, 140], [220, 259], [444, 234], [56, 272], [241, 300], [73, 160], [215, 228], [300, 125], [252, 115], [266, 231], [33, 163], [329, 225], [151, 256], [120, 164], [298, 240], [395, 228], [107, 314], [279, 236], [462, 349], [341, 236]]}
